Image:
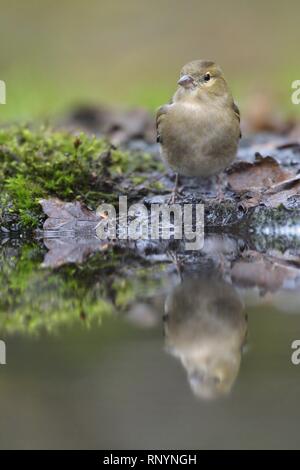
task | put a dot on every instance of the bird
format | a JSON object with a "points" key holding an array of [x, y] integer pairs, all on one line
{"points": [[199, 130], [205, 328]]}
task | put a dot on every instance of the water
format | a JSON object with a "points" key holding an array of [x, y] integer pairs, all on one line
{"points": [[160, 351]]}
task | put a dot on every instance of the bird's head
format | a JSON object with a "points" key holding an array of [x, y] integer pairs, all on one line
{"points": [[202, 78]]}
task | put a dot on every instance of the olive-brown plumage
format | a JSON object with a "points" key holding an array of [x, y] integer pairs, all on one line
{"points": [[205, 327], [199, 130]]}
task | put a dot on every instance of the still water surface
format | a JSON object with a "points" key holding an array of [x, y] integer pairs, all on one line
{"points": [[195, 357]]}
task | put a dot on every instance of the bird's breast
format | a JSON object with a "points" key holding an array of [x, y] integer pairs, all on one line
{"points": [[199, 140]]}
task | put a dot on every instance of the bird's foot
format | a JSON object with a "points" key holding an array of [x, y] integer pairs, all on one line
{"points": [[177, 263], [176, 192], [175, 195], [220, 196]]}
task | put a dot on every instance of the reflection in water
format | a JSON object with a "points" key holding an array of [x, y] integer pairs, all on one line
{"points": [[205, 328], [86, 367]]}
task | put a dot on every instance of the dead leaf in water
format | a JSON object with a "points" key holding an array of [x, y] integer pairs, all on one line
{"points": [[70, 250], [266, 273]]}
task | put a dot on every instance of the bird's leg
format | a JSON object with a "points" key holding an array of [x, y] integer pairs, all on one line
{"points": [[175, 190], [178, 264], [219, 187]]}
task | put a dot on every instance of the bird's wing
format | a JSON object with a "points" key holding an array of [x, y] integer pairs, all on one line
{"points": [[237, 113], [236, 110], [160, 115], [159, 119]]}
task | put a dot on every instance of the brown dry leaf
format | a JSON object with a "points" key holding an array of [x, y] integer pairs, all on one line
{"points": [[275, 196], [70, 250], [262, 174], [69, 232], [265, 182], [267, 274], [68, 216], [281, 196]]}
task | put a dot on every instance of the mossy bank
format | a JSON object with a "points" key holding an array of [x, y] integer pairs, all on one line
{"points": [[41, 163], [35, 299]]}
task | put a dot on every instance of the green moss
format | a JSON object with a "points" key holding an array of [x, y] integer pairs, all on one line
{"points": [[41, 163], [35, 299]]}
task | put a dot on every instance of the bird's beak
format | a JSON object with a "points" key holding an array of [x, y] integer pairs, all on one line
{"points": [[186, 81]]}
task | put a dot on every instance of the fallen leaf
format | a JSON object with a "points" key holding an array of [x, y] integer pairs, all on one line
{"points": [[277, 195], [68, 216], [260, 175], [268, 275], [70, 250]]}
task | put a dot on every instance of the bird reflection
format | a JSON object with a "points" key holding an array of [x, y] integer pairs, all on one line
{"points": [[205, 328]]}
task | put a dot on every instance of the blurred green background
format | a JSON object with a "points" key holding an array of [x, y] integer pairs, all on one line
{"points": [[54, 54]]}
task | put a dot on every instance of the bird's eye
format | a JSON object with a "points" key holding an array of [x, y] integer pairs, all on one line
{"points": [[207, 77]]}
